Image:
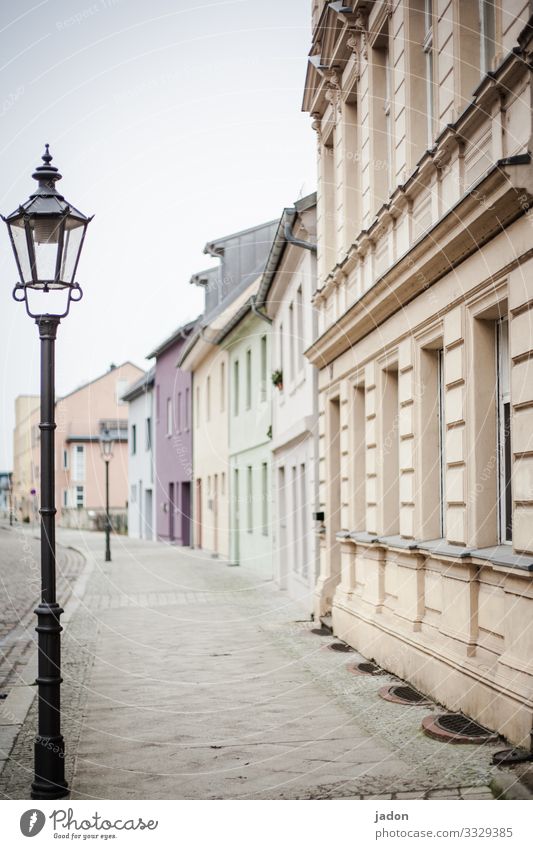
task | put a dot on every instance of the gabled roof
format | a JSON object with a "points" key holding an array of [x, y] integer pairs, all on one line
{"points": [[96, 379], [139, 387], [181, 333], [288, 217]]}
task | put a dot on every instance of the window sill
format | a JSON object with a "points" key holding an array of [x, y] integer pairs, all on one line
{"points": [[497, 555]]}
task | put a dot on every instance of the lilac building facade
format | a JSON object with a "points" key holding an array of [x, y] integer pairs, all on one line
{"points": [[173, 441]]}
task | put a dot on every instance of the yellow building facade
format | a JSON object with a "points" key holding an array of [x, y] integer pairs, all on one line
{"points": [[422, 112]]}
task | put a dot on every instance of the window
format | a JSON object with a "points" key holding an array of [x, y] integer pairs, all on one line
{"points": [[390, 483], [178, 413], [382, 117], [134, 439], [65, 458], [78, 463], [263, 368], [249, 498], [157, 394], [80, 497], [487, 27], [280, 347], [505, 497], [208, 398], [236, 388], [222, 387], [291, 340], [197, 406], [223, 483], [148, 432], [358, 454], [442, 442], [299, 327], [169, 416], [264, 499], [303, 517], [427, 47], [187, 407], [65, 498], [248, 379]]}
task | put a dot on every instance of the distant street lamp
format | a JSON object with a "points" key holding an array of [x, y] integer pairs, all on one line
{"points": [[47, 236], [106, 450]]}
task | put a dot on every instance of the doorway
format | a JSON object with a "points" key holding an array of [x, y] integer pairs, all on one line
{"points": [[171, 512], [186, 513], [198, 512]]}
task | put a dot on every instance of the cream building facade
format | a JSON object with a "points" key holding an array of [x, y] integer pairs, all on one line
{"points": [[25, 471], [285, 294], [423, 118]]}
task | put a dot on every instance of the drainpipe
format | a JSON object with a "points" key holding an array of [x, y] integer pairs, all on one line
{"points": [[257, 312], [292, 240]]}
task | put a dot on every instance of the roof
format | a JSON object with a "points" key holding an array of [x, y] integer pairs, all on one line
{"points": [[212, 247], [219, 322], [180, 333], [96, 379], [139, 387], [288, 216]]}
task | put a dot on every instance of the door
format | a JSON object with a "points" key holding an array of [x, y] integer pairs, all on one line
{"points": [[215, 514], [186, 513], [282, 530], [236, 519], [171, 512], [148, 532], [198, 512]]}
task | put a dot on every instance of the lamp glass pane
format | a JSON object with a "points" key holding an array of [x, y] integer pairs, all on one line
{"points": [[46, 232], [21, 248], [71, 247]]}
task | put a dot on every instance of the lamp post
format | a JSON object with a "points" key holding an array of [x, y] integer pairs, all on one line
{"points": [[106, 450], [47, 235]]}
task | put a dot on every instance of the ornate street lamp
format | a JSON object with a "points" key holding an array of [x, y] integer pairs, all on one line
{"points": [[106, 450], [47, 236]]}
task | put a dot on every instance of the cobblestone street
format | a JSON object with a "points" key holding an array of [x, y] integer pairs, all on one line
{"points": [[185, 678], [20, 581]]}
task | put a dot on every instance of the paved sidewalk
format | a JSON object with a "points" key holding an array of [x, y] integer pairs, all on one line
{"points": [[187, 678]]}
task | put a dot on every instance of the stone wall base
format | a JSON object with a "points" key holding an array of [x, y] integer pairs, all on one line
{"points": [[457, 682]]}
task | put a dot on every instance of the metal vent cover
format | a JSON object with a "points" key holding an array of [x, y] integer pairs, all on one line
{"points": [[456, 723], [457, 728], [403, 694], [370, 668], [340, 647]]}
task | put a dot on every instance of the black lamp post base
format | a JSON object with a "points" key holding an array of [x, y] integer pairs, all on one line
{"points": [[49, 755]]}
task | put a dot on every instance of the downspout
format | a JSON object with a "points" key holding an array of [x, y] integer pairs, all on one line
{"points": [[257, 312], [299, 243]]}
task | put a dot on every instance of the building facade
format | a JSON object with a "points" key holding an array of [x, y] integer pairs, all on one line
{"points": [[25, 473], [173, 440], [286, 292], [423, 120], [81, 418], [247, 341], [141, 461], [227, 288]]}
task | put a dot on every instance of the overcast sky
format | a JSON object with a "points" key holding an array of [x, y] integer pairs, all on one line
{"points": [[174, 122]]}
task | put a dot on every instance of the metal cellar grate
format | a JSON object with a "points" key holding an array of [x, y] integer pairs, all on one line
{"points": [[456, 728], [341, 647], [456, 723], [369, 668], [403, 694]]}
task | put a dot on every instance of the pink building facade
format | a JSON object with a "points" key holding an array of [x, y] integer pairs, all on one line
{"points": [[80, 472]]}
